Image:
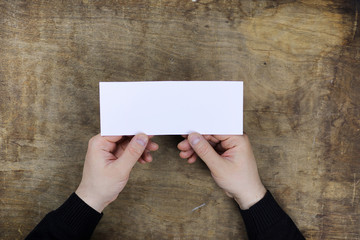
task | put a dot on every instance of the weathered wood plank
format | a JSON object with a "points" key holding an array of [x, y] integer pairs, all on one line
{"points": [[300, 64]]}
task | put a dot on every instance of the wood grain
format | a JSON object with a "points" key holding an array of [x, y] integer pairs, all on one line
{"points": [[299, 61]]}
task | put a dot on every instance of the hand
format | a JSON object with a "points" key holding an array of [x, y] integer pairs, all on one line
{"points": [[107, 167], [231, 162]]}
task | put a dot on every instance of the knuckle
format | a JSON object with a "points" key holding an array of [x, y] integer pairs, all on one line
{"points": [[92, 141], [245, 136], [134, 151], [243, 140], [236, 141]]}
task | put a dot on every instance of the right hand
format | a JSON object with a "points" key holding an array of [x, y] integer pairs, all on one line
{"points": [[231, 162]]}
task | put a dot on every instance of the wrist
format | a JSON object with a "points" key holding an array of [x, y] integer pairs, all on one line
{"points": [[251, 197], [90, 199]]}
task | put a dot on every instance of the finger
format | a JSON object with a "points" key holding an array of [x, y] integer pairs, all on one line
{"points": [[219, 148], [121, 147], [213, 144], [147, 156], [184, 145], [211, 138], [186, 149], [113, 139], [152, 146], [142, 161], [204, 150], [186, 154], [133, 151], [231, 141], [98, 142], [192, 159]]}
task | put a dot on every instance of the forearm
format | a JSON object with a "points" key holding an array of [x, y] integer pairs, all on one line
{"points": [[72, 220], [266, 220]]}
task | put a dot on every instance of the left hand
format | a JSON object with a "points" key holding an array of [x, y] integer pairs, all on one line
{"points": [[107, 167]]}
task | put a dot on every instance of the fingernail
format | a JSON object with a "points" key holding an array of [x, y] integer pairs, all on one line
{"points": [[195, 140], [142, 140]]}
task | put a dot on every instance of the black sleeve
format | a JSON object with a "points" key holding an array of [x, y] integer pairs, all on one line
{"points": [[72, 220], [266, 220]]}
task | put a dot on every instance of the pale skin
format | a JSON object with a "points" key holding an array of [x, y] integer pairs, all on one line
{"points": [[231, 162], [109, 161], [107, 167]]}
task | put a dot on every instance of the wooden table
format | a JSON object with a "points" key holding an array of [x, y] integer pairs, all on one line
{"points": [[300, 63]]}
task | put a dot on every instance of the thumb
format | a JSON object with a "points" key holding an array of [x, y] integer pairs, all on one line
{"points": [[133, 151], [204, 150]]}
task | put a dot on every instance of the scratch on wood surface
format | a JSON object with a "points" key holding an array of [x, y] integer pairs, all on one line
{"points": [[322, 222], [196, 208], [313, 142], [354, 189], [355, 22], [19, 230], [4, 182]]}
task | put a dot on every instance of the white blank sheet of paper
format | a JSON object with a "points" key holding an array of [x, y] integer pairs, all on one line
{"points": [[171, 107]]}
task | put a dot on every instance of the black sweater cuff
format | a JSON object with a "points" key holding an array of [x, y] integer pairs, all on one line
{"points": [[262, 215], [78, 216]]}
